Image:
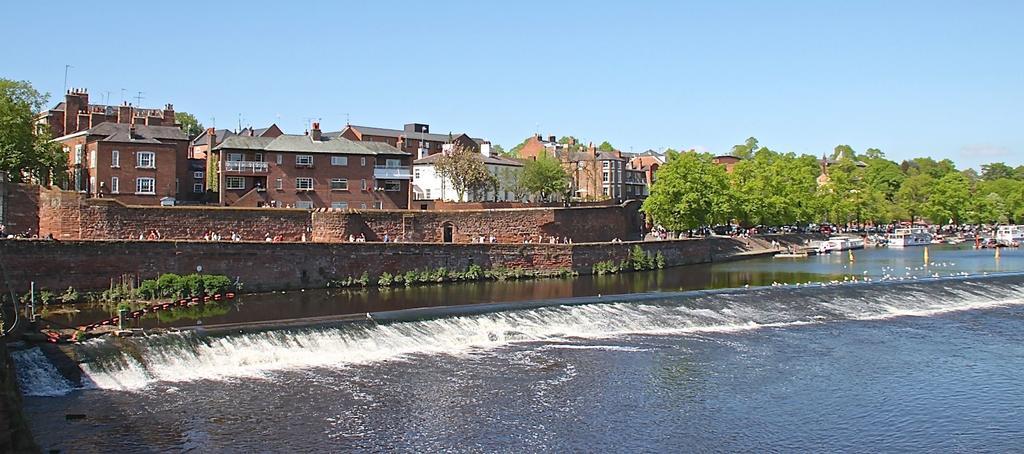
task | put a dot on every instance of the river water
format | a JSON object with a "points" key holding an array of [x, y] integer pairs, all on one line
{"points": [[908, 357]]}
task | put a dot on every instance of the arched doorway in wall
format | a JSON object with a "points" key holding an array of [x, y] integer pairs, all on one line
{"points": [[447, 232]]}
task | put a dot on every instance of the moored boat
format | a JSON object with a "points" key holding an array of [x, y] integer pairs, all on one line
{"points": [[911, 236]]}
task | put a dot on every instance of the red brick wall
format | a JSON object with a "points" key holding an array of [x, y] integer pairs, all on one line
{"points": [[90, 265], [69, 215]]}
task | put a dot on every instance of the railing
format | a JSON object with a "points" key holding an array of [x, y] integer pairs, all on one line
{"points": [[392, 172], [245, 166]]}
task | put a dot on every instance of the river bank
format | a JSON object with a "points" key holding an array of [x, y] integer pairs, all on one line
{"points": [[93, 265]]}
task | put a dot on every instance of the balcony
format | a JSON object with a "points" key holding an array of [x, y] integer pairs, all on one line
{"points": [[245, 166], [392, 172]]}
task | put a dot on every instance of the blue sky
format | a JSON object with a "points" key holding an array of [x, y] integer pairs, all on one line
{"points": [[914, 78]]}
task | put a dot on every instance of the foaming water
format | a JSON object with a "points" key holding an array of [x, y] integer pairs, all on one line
{"points": [[135, 364], [37, 376]]}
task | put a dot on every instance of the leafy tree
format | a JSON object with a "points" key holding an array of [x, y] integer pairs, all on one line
{"points": [[874, 153], [949, 199], [914, 194], [883, 175], [773, 188], [189, 124], [545, 176], [605, 146], [928, 166], [995, 171], [843, 152], [464, 169], [690, 192], [500, 151], [26, 150], [746, 149], [512, 180]]}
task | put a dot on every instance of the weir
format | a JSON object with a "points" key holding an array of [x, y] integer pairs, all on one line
{"points": [[138, 363]]}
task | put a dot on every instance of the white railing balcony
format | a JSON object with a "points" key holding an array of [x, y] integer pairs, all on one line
{"points": [[392, 172], [245, 166]]}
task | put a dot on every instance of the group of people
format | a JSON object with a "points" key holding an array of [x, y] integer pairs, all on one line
{"points": [[551, 240]]}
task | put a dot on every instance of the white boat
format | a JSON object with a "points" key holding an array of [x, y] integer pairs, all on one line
{"points": [[912, 236], [1010, 235], [841, 243]]}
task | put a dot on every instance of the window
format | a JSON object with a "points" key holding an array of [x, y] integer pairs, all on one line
{"points": [[416, 174], [605, 164], [115, 185], [234, 157], [362, 161], [392, 185], [197, 175], [394, 162], [304, 160], [93, 159], [279, 183], [339, 160], [145, 160], [304, 184], [304, 204], [145, 185], [362, 184], [197, 188], [259, 157], [280, 158], [604, 176], [78, 154], [235, 183], [427, 193], [341, 205], [378, 205], [427, 145], [339, 184], [362, 206]]}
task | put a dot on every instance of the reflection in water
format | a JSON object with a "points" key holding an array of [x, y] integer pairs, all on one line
{"points": [[870, 263]]}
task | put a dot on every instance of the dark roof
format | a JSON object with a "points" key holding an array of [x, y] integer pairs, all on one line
{"points": [[607, 156], [493, 160], [295, 143], [203, 137], [119, 132], [396, 133]]}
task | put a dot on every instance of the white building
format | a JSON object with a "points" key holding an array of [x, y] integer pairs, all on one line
{"points": [[428, 185]]}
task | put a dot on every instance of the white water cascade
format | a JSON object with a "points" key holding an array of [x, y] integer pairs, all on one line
{"points": [[189, 357]]}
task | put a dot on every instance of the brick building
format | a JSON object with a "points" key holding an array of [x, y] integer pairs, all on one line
{"points": [[76, 114], [136, 164], [726, 160], [312, 171], [211, 137], [595, 174], [415, 138]]}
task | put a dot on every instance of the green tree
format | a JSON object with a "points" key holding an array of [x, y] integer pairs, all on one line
{"points": [[465, 171], [914, 194], [690, 192], [605, 146], [949, 199], [843, 152], [189, 124], [26, 150], [545, 176], [773, 188], [746, 149], [883, 175], [995, 171], [927, 166], [499, 150]]}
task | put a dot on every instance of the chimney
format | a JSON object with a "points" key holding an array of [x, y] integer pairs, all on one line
{"points": [[314, 133], [75, 101], [169, 115], [124, 113], [552, 139]]}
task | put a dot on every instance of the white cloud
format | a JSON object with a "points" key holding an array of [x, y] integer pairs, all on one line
{"points": [[983, 151]]}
